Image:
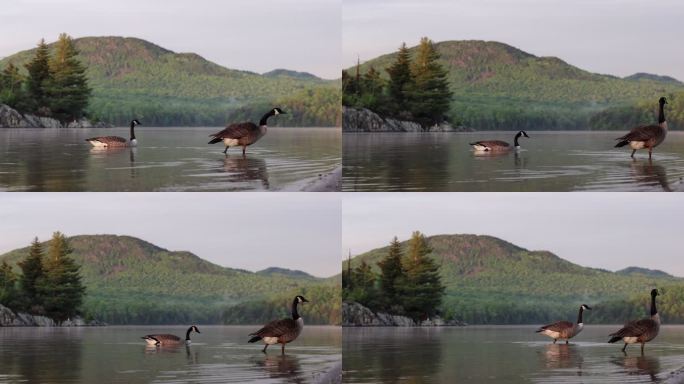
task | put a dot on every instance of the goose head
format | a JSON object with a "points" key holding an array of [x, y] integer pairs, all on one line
{"points": [[654, 293], [585, 307], [662, 101], [523, 133], [194, 328], [277, 111], [301, 299]]}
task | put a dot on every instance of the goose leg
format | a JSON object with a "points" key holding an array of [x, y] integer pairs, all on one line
{"points": [[566, 342], [244, 148], [624, 349], [283, 349], [650, 151], [554, 341], [633, 152], [264, 350], [226, 150], [642, 348]]}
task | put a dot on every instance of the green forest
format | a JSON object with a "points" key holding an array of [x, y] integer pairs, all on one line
{"points": [[133, 78], [408, 283], [130, 281], [491, 281], [496, 86]]}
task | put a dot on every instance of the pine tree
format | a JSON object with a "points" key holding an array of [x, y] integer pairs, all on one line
{"points": [[391, 273], [32, 274], [68, 89], [400, 81], [429, 95], [422, 288], [8, 286], [38, 78], [62, 281], [363, 282], [11, 88]]}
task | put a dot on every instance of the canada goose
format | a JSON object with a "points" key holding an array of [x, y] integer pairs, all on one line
{"points": [[646, 136], [281, 331], [167, 339], [640, 331], [564, 330], [498, 145], [115, 141], [244, 134]]}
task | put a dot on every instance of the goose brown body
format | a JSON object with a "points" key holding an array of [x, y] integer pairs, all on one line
{"points": [[169, 339], [564, 330], [646, 136], [640, 331], [281, 331], [497, 145], [243, 134], [115, 141]]}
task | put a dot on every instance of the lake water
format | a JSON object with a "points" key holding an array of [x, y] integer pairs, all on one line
{"points": [[220, 354], [166, 159], [548, 161], [504, 354]]}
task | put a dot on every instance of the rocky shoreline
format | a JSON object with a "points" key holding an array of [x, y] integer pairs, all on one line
{"points": [[11, 118], [365, 120], [9, 318], [356, 315]]}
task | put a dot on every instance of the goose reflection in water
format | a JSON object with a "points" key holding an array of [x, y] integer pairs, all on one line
{"points": [[117, 151], [648, 173], [243, 169], [562, 356], [644, 365], [282, 366]]}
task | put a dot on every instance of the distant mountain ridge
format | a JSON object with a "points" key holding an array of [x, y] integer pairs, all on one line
{"points": [[130, 280], [498, 86], [490, 280], [134, 77], [649, 76]]}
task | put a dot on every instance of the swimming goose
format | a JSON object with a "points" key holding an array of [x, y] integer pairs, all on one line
{"points": [[646, 136], [244, 134], [564, 330], [115, 141], [640, 331], [167, 339], [281, 331], [498, 145]]}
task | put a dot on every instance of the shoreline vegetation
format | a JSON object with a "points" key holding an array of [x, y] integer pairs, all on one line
{"points": [[357, 315], [130, 281], [132, 78], [492, 86]]}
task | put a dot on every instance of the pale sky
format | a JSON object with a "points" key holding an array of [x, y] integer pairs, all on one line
{"points": [[600, 230], [618, 37], [254, 35], [251, 231]]}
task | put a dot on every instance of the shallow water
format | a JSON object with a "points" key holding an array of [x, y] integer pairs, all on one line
{"points": [[220, 354], [166, 159], [504, 354], [548, 161]]}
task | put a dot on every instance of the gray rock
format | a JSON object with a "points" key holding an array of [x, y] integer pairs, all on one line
{"points": [[9, 318], [356, 315], [11, 118], [365, 120]]}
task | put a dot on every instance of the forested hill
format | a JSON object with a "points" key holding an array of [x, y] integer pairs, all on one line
{"points": [[131, 77], [130, 281], [497, 86], [492, 281]]}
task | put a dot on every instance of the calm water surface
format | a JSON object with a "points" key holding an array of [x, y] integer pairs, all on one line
{"points": [[220, 354], [548, 161], [166, 159], [504, 354]]}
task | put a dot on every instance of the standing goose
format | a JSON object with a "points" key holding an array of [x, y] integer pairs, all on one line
{"points": [[640, 331], [564, 330], [281, 331], [498, 145], [115, 141], [244, 134], [168, 339], [646, 136]]}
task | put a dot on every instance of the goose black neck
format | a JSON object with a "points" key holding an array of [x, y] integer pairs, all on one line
{"points": [[264, 119], [653, 306], [187, 334], [515, 141], [579, 315], [295, 314], [661, 114], [132, 130]]}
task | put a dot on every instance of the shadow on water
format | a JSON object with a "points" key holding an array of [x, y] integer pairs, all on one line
{"points": [[647, 173], [644, 365], [245, 169], [562, 356], [281, 366]]}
